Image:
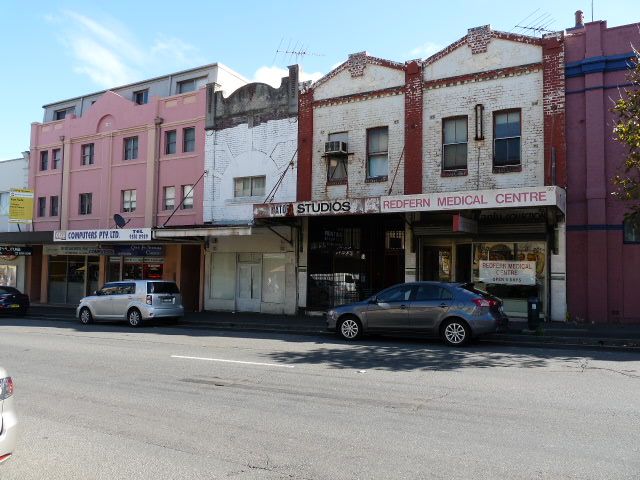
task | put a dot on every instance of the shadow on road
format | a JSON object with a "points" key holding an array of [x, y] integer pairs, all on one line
{"points": [[380, 353]]}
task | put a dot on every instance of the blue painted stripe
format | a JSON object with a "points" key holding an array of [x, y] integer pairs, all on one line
{"points": [[612, 63], [597, 227], [600, 87]]}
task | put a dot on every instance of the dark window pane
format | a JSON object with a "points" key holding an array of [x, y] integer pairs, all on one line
{"points": [[162, 287]]}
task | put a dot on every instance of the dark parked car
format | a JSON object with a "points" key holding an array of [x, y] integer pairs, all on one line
{"points": [[12, 301], [456, 312]]}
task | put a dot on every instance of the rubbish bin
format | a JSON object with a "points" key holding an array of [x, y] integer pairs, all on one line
{"points": [[534, 305]]}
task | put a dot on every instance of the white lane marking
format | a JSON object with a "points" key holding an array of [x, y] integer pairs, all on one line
{"points": [[233, 361]]}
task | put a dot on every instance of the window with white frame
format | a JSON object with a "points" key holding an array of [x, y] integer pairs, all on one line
{"points": [[168, 198], [189, 139], [377, 152], [87, 154], [454, 143], [53, 206], [4, 203], [42, 206], [191, 84], [128, 200], [131, 148], [506, 138], [170, 142], [141, 97], [85, 203], [44, 160], [187, 196], [57, 158], [249, 186]]}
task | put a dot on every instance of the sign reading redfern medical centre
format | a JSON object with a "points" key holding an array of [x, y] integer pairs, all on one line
{"points": [[114, 235], [475, 199]]}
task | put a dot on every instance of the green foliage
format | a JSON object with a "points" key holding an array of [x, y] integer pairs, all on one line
{"points": [[627, 132]]}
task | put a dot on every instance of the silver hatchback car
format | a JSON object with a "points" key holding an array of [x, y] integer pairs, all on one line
{"points": [[456, 312], [133, 301], [8, 418]]}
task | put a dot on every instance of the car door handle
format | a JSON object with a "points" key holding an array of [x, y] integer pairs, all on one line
{"points": [[443, 305], [403, 307]]}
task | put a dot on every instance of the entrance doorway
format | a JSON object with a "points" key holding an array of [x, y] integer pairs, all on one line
{"points": [[249, 285], [436, 263], [72, 277]]}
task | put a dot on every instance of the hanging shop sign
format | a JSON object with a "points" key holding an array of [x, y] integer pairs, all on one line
{"points": [[507, 272], [11, 251], [317, 208], [464, 224], [476, 199], [21, 205], [136, 250], [115, 235]]}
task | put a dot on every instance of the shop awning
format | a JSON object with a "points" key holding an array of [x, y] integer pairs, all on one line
{"points": [[213, 231]]}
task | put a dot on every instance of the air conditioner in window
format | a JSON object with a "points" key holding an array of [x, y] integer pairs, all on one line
{"points": [[335, 147]]}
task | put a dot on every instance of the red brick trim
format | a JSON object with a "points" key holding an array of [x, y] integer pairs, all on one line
{"points": [[489, 74], [305, 144], [413, 111], [553, 101], [385, 92]]}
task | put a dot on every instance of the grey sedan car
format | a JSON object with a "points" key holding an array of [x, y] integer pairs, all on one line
{"points": [[8, 419], [456, 312]]}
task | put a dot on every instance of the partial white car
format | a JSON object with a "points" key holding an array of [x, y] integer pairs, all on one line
{"points": [[8, 418]]}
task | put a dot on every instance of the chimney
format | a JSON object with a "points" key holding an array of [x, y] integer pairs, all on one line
{"points": [[579, 19]]}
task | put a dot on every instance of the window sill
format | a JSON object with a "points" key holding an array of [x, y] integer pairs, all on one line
{"points": [[383, 178], [507, 168], [455, 173]]}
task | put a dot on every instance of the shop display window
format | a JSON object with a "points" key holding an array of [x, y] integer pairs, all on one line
{"points": [[273, 277], [223, 278], [8, 275]]}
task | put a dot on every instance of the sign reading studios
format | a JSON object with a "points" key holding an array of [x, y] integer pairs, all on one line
{"points": [[317, 207], [114, 235]]}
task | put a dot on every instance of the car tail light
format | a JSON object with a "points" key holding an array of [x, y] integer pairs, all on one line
{"points": [[485, 302], [6, 388], [149, 299]]}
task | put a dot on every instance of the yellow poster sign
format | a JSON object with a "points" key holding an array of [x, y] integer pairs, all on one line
{"points": [[21, 205]]}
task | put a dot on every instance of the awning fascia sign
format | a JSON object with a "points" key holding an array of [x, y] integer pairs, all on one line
{"points": [[351, 206], [229, 231], [97, 235], [476, 199]]}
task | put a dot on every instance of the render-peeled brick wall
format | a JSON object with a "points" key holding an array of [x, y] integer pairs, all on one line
{"points": [[265, 149], [355, 117], [523, 90]]}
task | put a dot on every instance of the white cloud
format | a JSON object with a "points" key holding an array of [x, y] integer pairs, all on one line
{"points": [[110, 55], [426, 50], [273, 75]]}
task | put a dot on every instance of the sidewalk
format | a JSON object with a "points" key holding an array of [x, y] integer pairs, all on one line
{"points": [[619, 335]]}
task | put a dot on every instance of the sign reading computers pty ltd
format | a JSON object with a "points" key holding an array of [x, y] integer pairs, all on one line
{"points": [[115, 235]]}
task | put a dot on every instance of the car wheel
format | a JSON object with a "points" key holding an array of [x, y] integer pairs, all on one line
{"points": [[455, 332], [134, 317], [350, 328], [85, 316]]}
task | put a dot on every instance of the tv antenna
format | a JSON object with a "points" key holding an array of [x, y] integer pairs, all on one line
{"points": [[120, 221], [538, 22], [295, 52]]}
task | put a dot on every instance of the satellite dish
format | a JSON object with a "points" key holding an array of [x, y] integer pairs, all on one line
{"points": [[120, 222]]}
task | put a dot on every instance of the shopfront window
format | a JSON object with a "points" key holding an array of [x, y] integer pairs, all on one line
{"points": [[512, 271], [8, 275], [72, 277]]}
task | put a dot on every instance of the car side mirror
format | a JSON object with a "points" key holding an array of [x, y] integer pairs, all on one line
{"points": [[373, 300], [97, 293]]}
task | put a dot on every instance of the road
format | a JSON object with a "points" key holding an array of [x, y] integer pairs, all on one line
{"points": [[108, 402]]}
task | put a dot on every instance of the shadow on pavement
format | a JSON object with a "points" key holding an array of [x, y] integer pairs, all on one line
{"points": [[380, 353]]}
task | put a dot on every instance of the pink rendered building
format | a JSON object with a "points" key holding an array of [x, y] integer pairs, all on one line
{"points": [[603, 250], [136, 151]]}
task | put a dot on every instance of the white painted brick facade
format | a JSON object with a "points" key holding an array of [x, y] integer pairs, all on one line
{"points": [[265, 149], [355, 118], [374, 77], [522, 91]]}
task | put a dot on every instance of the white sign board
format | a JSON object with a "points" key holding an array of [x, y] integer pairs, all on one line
{"points": [[508, 272], [475, 199], [115, 235], [317, 207]]}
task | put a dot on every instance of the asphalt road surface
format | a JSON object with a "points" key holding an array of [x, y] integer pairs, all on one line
{"points": [[109, 402]]}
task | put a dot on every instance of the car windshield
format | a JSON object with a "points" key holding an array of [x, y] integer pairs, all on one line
{"points": [[9, 290], [162, 287], [471, 288]]}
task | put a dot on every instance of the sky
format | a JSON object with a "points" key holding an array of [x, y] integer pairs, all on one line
{"points": [[55, 50]]}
